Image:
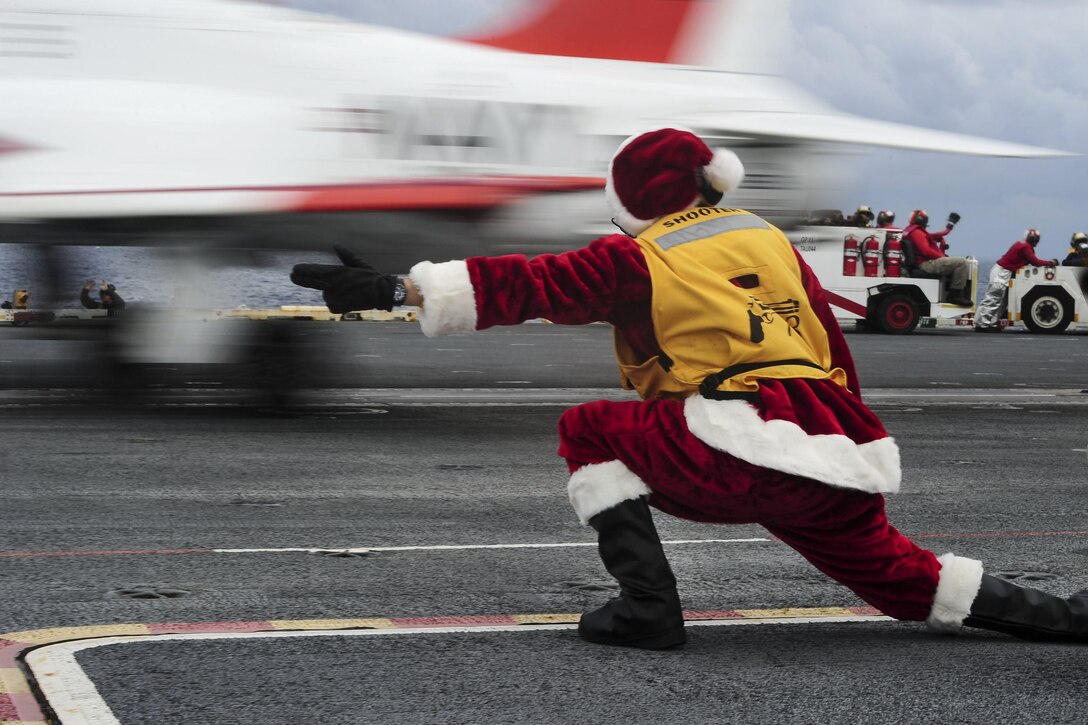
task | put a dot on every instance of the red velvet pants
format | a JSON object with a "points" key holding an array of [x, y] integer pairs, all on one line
{"points": [[843, 532]]}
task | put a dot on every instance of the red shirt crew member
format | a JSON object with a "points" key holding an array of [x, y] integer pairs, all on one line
{"points": [[930, 257], [1018, 256]]}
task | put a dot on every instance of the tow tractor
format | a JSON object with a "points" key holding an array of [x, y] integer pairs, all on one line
{"points": [[18, 312], [870, 278], [1048, 299]]}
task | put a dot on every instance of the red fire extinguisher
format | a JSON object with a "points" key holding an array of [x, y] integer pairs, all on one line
{"points": [[870, 256], [850, 256], [893, 255]]}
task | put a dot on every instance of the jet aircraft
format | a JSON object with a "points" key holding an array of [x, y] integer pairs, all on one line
{"points": [[228, 123]]}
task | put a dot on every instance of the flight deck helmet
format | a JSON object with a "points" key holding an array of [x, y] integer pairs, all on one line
{"points": [[885, 218], [1031, 236], [919, 218]]}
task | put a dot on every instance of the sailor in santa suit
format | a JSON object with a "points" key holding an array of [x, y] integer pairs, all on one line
{"points": [[751, 410]]}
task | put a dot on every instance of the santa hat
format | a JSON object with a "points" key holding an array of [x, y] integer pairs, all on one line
{"points": [[661, 171]]}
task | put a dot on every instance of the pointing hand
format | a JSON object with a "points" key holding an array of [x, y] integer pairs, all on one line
{"points": [[354, 285]]}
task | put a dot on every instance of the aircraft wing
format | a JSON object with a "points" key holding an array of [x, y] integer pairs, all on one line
{"points": [[839, 128]]}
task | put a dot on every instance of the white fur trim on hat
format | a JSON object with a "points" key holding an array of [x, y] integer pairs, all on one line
{"points": [[735, 427], [449, 301], [627, 221], [959, 582], [597, 487]]}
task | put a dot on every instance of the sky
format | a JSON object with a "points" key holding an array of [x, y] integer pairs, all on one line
{"points": [[1006, 69]]}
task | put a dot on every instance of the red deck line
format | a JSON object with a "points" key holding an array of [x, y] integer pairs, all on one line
{"points": [[19, 707], [997, 534], [116, 552]]}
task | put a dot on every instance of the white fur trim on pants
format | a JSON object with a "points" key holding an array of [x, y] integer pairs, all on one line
{"points": [[957, 588], [734, 427], [449, 301], [597, 487]]}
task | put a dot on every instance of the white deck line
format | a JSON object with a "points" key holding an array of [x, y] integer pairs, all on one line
{"points": [[75, 700]]}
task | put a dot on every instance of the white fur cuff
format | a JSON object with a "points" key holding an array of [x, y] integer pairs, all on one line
{"points": [[449, 301], [957, 588], [597, 487]]}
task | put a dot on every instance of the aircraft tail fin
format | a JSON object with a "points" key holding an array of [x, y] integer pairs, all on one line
{"points": [[734, 35]]}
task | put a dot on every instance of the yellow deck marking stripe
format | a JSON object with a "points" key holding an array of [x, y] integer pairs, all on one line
{"points": [[54, 634], [546, 618]]}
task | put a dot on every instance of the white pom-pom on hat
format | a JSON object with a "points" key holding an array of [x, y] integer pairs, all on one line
{"points": [[725, 171]]}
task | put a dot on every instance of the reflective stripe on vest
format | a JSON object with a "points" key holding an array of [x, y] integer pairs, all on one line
{"points": [[710, 227]]}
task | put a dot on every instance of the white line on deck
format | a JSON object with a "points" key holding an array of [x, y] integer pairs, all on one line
{"points": [[69, 690]]}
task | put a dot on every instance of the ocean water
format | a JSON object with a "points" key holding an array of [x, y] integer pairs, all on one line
{"points": [[175, 277], [158, 277]]}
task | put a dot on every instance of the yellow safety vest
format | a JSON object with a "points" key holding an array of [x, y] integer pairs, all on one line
{"points": [[728, 308]]}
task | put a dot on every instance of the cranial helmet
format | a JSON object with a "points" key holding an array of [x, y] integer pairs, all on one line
{"points": [[1031, 236], [664, 171], [885, 217], [918, 217]]}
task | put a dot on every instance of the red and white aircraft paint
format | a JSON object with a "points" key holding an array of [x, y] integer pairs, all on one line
{"points": [[244, 124]]}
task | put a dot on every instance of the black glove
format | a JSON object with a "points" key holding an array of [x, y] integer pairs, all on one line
{"points": [[953, 219], [355, 285]]}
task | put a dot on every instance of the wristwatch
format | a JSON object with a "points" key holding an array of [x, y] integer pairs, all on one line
{"points": [[400, 292]]}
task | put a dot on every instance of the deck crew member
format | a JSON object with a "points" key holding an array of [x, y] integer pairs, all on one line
{"points": [[1018, 256], [929, 251]]}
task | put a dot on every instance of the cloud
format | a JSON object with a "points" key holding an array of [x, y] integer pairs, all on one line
{"points": [[987, 68], [1009, 70]]}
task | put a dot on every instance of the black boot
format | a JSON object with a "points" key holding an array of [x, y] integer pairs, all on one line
{"points": [[960, 298], [1002, 606], [647, 613]]}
